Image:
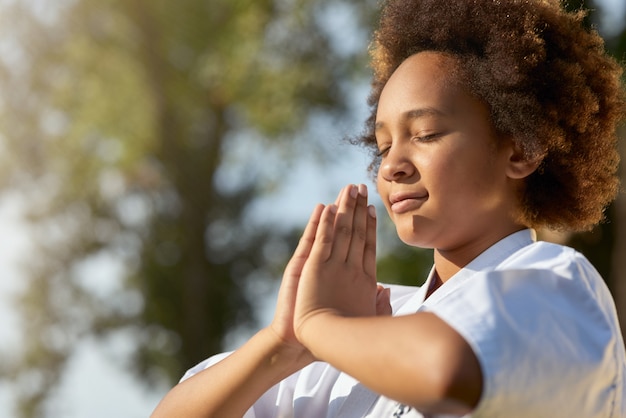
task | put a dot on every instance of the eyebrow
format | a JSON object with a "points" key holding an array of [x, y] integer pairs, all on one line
{"points": [[415, 114]]}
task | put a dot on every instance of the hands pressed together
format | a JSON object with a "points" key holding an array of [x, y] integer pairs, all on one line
{"points": [[330, 308], [332, 273]]}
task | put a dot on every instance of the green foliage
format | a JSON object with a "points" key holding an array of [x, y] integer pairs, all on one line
{"points": [[118, 120], [399, 263], [125, 126], [405, 265], [602, 245]]}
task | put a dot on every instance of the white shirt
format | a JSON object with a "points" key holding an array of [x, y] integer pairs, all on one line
{"points": [[537, 315]]}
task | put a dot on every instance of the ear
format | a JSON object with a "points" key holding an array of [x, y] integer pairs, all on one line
{"points": [[520, 166]]}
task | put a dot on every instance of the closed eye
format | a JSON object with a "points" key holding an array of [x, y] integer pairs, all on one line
{"points": [[428, 138], [382, 152], [424, 138]]}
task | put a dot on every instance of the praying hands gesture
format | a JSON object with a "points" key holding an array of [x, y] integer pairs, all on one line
{"points": [[339, 275], [331, 274], [333, 270], [330, 308], [339, 314]]}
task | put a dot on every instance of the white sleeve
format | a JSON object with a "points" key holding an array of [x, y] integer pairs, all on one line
{"points": [[265, 406], [317, 390], [205, 364], [545, 342]]}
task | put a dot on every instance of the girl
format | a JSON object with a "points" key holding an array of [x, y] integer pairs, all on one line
{"points": [[489, 118]]}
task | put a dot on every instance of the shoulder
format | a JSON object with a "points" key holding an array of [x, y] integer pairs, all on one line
{"points": [[543, 289], [542, 319], [546, 266], [543, 255]]}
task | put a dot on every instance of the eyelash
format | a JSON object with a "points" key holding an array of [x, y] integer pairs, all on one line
{"points": [[382, 152], [425, 138]]}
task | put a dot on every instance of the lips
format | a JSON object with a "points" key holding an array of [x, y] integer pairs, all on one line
{"points": [[406, 201]]}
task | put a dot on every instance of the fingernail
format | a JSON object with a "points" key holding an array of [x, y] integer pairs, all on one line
{"points": [[372, 211], [332, 208], [363, 190], [353, 191]]}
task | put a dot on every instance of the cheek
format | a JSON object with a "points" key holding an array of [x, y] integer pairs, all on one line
{"points": [[459, 180], [382, 187], [440, 172], [478, 184]]}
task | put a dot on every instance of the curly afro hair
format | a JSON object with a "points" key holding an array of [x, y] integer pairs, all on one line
{"points": [[547, 80]]}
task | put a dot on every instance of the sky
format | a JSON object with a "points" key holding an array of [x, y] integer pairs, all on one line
{"points": [[613, 14], [98, 384]]}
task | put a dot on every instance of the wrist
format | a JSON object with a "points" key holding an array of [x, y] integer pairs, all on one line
{"points": [[315, 328], [292, 356]]}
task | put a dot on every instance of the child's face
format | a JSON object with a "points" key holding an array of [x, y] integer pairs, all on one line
{"points": [[442, 177]]}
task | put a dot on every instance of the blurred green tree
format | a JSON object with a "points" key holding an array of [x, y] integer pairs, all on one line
{"points": [[605, 245], [138, 133], [618, 210]]}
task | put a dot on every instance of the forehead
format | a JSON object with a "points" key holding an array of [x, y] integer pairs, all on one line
{"points": [[424, 76], [427, 83]]}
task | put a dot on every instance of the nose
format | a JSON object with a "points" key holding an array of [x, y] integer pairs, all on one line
{"points": [[396, 165]]}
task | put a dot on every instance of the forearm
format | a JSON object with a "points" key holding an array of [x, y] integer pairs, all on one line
{"points": [[417, 359], [230, 387]]}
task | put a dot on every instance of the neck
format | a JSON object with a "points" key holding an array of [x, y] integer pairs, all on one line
{"points": [[448, 262], [434, 284]]}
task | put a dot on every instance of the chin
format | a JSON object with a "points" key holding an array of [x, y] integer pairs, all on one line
{"points": [[418, 232], [418, 244], [416, 239]]}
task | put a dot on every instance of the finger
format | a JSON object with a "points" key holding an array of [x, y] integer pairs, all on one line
{"points": [[341, 193], [291, 276], [306, 242], [343, 222], [369, 251], [359, 229], [323, 244], [383, 301]]}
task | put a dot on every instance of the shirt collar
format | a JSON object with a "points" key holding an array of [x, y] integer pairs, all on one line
{"points": [[486, 261], [498, 252]]}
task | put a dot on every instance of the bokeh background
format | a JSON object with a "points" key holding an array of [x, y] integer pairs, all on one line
{"points": [[158, 160]]}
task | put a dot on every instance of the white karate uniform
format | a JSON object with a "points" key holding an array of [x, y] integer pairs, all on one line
{"points": [[537, 315]]}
